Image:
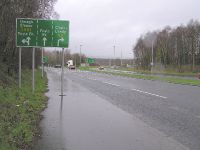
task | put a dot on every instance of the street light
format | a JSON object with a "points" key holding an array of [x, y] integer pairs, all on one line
{"points": [[121, 58], [132, 53], [152, 53], [80, 54], [114, 54]]}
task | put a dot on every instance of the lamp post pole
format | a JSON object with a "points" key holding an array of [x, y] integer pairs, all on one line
{"points": [[114, 54], [80, 54], [152, 62]]}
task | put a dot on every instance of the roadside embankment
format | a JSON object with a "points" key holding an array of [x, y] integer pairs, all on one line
{"points": [[20, 111]]}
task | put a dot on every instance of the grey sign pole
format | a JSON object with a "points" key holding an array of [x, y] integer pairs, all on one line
{"points": [[152, 53], [20, 67], [33, 68], [42, 62], [62, 73]]}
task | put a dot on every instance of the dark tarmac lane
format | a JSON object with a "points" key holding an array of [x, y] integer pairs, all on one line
{"points": [[108, 112]]}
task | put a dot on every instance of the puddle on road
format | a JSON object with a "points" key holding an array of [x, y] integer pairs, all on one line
{"points": [[84, 121]]}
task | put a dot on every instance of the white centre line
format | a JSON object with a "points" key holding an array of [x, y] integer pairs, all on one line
{"points": [[112, 84], [92, 79], [148, 93]]}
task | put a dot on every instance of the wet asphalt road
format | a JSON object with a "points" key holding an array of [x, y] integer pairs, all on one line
{"points": [[170, 112]]}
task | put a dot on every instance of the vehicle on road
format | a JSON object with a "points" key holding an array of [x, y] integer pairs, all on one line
{"points": [[198, 75], [70, 64], [72, 67], [101, 68], [57, 66]]}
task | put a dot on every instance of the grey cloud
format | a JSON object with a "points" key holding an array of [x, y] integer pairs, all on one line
{"points": [[100, 24]]}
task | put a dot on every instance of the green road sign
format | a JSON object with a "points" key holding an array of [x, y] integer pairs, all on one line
{"points": [[44, 37], [45, 59], [26, 32], [60, 32], [90, 60], [42, 33]]}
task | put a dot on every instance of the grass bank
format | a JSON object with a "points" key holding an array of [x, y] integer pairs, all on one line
{"points": [[20, 112], [175, 80], [170, 72]]}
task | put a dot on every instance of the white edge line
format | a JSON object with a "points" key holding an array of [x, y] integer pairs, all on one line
{"points": [[148, 93]]}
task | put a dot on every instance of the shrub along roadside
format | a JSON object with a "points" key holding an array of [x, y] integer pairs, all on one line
{"points": [[20, 112]]}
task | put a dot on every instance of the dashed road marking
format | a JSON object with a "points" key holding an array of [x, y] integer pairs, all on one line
{"points": [[92, 79], [112, 84], [149, 93]]}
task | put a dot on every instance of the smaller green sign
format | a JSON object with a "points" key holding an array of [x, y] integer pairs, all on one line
{"points": [[90, 60], [45, 59]]}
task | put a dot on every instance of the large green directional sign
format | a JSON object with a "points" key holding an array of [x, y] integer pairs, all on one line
{"points": [[42, 33]]}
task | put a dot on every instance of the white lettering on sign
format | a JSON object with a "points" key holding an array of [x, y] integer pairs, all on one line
{"points": [[26, 21], [22, 34], [44, 31], [26, 25], [59, 29], [31, 34]]}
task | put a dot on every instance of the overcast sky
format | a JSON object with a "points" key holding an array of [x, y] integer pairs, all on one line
{"points": [[98, 25]]}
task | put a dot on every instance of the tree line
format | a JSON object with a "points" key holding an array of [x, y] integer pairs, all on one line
{"points": [[178, 48], [9, 11], [55, 57]]}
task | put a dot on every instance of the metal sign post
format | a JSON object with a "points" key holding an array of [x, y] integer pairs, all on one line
{"points": [[42, 62], [20, 67], [33, 68], [80, 54], [62, 72]]}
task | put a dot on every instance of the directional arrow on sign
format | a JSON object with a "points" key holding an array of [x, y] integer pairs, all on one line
{"points": [[60, 40], [24, 41], [44, 39], [27, 40]]}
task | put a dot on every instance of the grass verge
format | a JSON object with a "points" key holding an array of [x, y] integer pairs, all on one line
{"points": [[20, 112], [161, 72], [175, 80]]}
